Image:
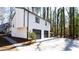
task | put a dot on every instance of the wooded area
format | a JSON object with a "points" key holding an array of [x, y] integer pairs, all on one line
{"points": [[63, 26]]}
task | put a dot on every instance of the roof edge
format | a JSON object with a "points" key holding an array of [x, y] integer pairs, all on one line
{"points": [[33, 13]]}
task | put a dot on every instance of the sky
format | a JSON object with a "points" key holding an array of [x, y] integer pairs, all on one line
{"points": [[6, 13]]}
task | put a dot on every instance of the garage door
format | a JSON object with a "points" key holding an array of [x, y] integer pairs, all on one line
{"points": [[45, 34], [38, 33]]}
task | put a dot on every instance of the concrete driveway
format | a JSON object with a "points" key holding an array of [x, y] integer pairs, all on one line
{"points": [[57, 44]]}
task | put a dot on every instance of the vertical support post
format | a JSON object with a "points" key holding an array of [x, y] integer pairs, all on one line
{"points": [[27, 25], [24, 18]]}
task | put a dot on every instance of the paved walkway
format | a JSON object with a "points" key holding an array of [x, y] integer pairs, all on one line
{"points": [[57, 44]]}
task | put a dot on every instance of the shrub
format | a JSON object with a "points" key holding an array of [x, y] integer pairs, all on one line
{"points": [[32, 35]]}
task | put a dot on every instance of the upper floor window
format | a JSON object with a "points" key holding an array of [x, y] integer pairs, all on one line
{"points": [[37, 19], [45, 23]]}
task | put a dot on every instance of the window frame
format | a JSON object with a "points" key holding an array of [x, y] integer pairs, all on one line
{"points": [[37, 19], [45, 23]]}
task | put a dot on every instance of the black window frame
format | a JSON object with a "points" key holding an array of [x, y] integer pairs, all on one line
{"points": [[46, 32], [45, 23], [37, 19]]}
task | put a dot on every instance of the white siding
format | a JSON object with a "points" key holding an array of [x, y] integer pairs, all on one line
{"points": [[19, 17], [25, 18], [20, 31], [34, 25], [41, 25]]}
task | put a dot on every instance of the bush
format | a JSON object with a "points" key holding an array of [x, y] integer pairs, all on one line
{"points": [[32, 35]]}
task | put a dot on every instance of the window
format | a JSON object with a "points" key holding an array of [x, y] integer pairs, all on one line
{"points": [[45, 23], [37, 19], [13, 25]]}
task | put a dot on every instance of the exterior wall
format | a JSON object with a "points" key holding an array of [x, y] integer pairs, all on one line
{"points": [[18, 29], [41, 25], [19, 18], [19, 32], [20, 24]]}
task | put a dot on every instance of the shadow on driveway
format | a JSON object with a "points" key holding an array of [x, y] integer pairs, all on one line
{"points": [[69, 44]]}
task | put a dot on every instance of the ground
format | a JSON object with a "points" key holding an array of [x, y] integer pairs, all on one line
{"points": [[10, 44], [57, 44], [51, 44]]}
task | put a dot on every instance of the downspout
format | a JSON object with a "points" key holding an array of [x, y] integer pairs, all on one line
{"points": [[24, 18]]}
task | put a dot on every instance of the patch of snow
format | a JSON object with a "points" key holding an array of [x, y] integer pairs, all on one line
{"points": [[57, 44]]}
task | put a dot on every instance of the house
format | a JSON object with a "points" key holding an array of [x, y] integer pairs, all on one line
{"points": [[26, 21]]}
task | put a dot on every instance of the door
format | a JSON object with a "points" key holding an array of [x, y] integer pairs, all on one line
{"points": [[38, 33], [45, 34]]}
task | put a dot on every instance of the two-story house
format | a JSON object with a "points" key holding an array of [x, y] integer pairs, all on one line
{"points": [[26, 21]]}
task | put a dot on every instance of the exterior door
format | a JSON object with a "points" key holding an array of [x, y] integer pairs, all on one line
{"points": [[38, 33], [45, 34]]}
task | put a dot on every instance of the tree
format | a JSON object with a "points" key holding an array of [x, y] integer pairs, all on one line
{"points": [[71, 22], [12, 14], [47, 12], [2, 14], [54, 21], [62, 22], [1, 19], [44, 12]]}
